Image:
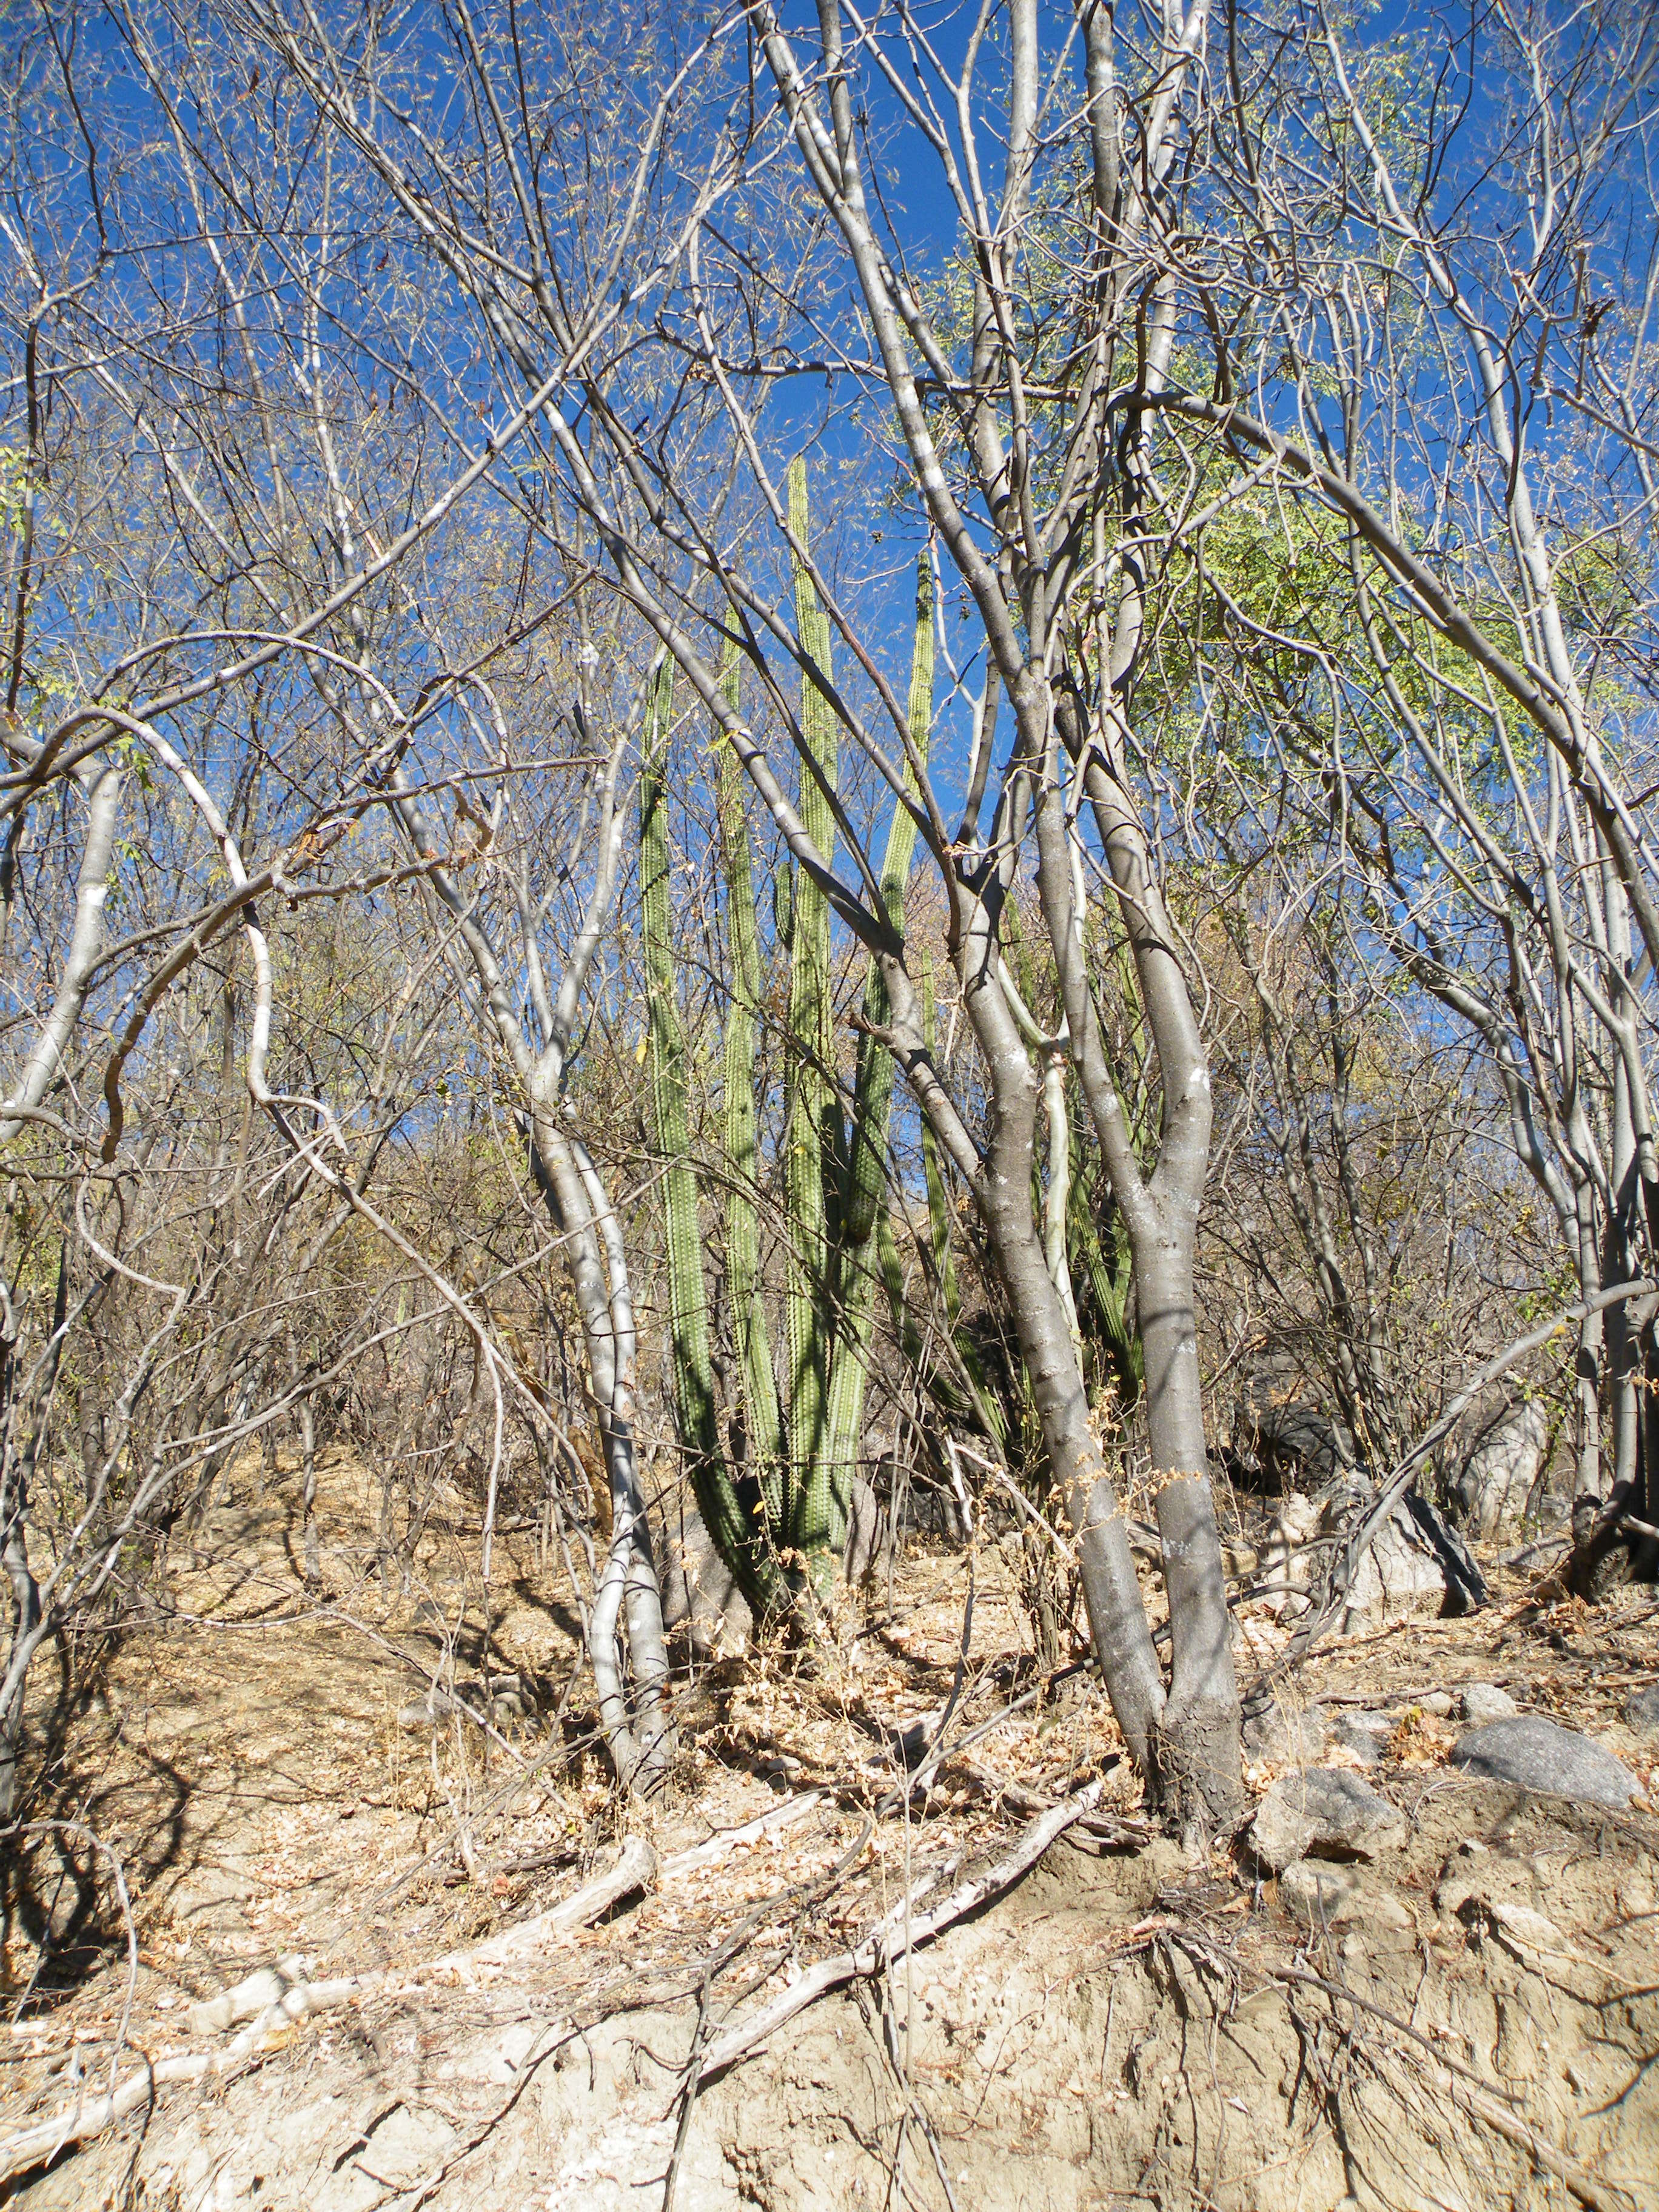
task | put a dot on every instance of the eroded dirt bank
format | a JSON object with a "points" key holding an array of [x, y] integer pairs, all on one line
{"points": [[1472, 2020]]}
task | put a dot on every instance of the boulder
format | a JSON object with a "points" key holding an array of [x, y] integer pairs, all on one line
{"points": [[1535, 1754], [1489, 1493], [869, 1537], [1416, 1565], [1366, 1735], [1285, 1566], [1325, 1810], [700, 1599], [1483, 1702], [1288, 1735], [1282, 1439], [699, 1596], [1397, 1575], [1642, 1710]]}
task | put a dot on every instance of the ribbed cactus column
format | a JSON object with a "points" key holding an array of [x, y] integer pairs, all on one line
{"points": [[813, 1116], [763, 1415], [741, 1545], [866, 1198]]}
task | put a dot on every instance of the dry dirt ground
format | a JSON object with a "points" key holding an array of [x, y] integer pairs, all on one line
{"points": [[1119, 2027]]}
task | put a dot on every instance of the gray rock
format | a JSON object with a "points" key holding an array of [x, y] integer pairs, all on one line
{"points": [[1366, 1734], [1642, 1710], [1288, 1735], [1490, 1492], [1483, 1702], [1326, 1893], [1400, 1575], [869, 1537], [1535, 1754], [1285, 1566], [1284, 1435], [1324, 1810], [699, 1596], [1319, 1890], [1438, 1702]]}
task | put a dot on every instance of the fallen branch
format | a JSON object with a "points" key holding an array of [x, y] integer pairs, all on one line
{"points": [[279, 2001], [1001, 1788], [635, 1867], [280, 1994], [717, 1847], [88, 2117], [900, 1928]]}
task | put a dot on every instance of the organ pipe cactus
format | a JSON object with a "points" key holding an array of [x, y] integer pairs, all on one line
{"points": [[763, 1426], [740, 1541], [812, 1132], [783, 1532], [857, 1254]]}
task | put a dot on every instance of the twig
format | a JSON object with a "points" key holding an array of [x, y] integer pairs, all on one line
{"points": [[936, 1759], [780, 1816], [1601, 2196], [635, 1867], [688, 2092], [80, 2121], [724, 1953], [1106, 1826], [272, 1993], [551, 2040]]}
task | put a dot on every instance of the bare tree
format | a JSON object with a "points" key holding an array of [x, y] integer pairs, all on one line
{"points": [[1447, 384], [236, 680], [1000, 420]]}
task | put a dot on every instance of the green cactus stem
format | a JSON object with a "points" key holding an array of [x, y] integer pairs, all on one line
{"points": [[813, 1116], [859, 1257], [740, 1543], [762, 1414]]}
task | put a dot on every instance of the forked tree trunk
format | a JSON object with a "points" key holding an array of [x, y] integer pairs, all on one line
{"points": [[1194, 1761]]}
